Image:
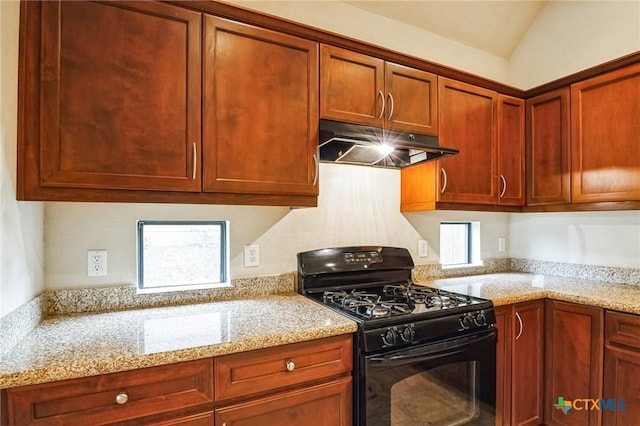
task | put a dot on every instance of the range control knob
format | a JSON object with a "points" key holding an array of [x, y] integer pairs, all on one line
{"points": [[481, 319], [390, 337], [466, 321], [408, 334]]}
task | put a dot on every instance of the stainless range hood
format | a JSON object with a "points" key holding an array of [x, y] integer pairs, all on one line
{"points": [[372, 146]]}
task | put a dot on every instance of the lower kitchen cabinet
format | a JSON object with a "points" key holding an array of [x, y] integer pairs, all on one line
{"points": [[520, 364], [176, 394], [306, 383], [621, 369], [573, 360]]}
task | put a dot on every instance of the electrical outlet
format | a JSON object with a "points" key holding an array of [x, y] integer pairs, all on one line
{"points": [[502, 243], [97, 263], [423, 248], [251, 255]]}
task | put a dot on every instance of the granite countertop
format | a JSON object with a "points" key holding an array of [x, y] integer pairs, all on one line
{"points": [[512, 287], [83, 345]]}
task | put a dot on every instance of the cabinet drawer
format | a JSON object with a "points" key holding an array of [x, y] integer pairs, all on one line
{"points": [[255, 372], [622, 329], [93, 400], [325, 404]]}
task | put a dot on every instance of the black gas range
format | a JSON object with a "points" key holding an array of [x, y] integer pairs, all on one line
{"points": [[406, 332]]}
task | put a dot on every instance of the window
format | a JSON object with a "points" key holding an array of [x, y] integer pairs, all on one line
{"points": [[182, 255], [460, 243]]}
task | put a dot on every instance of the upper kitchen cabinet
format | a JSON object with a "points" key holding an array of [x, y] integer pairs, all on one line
{"points": [[488, 173], [150, 102], [511, 147], [548, 157], [118, 96], [361, 89], [467, 120], [260, 127], [605, 124]]}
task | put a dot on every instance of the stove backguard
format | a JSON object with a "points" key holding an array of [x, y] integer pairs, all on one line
{"points": [[344, 268]]}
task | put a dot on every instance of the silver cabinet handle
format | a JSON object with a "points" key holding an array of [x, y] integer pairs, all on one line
{"points": [[504, 186], [316, 161], [122, 398], [383, 104], [195, 161], [444, 180], [392, 103], [290, 365], [521, 326]]}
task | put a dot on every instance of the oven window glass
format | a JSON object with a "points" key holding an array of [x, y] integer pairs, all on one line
{"points": [[444, 395], [417, 394]]}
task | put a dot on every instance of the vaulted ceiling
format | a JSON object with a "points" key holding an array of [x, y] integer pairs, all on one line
{"points": [[493, 26]]}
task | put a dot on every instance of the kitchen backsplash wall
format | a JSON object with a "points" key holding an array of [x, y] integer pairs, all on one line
{"points": [[357, 205], [591, 238]]}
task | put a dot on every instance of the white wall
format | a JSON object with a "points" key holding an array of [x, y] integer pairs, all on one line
{"points": [[569, 36], [594, 238], [357, 206], [21, 230], [345, 19]]}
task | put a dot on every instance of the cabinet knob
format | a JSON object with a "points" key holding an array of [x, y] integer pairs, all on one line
{"points": [[122, 398], [290, 365]]}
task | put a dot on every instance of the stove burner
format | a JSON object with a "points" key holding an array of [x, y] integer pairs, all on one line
{"points": [[365, 304], [394, 300]]}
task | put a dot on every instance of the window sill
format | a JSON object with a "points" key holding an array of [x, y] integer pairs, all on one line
{"points": [[463, 266], [152, 290]]}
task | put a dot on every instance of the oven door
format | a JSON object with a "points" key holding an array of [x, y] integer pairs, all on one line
{"points": [[449, 382]]}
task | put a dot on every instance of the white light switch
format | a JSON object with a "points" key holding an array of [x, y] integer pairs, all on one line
{"points": [[423, 248]]}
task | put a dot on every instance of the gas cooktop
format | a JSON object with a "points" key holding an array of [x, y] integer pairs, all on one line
{"points": [[396, 300]]}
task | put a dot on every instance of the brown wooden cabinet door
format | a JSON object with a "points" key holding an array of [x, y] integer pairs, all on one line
{"points": [[320, 405], [511, 147], [622, 368], [120, 96], [352, 87], [503, 365], [527, 365], [621, 373], [467, 117], [573, 360], [605, 129], [548, 151], [260, 130], [411, 100]]}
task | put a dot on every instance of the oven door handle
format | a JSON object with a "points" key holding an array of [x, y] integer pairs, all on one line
{"points": [[410, 355]]}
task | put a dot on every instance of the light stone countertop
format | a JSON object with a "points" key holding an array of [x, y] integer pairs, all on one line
{"points": [[512, 287], [83, 345]]}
